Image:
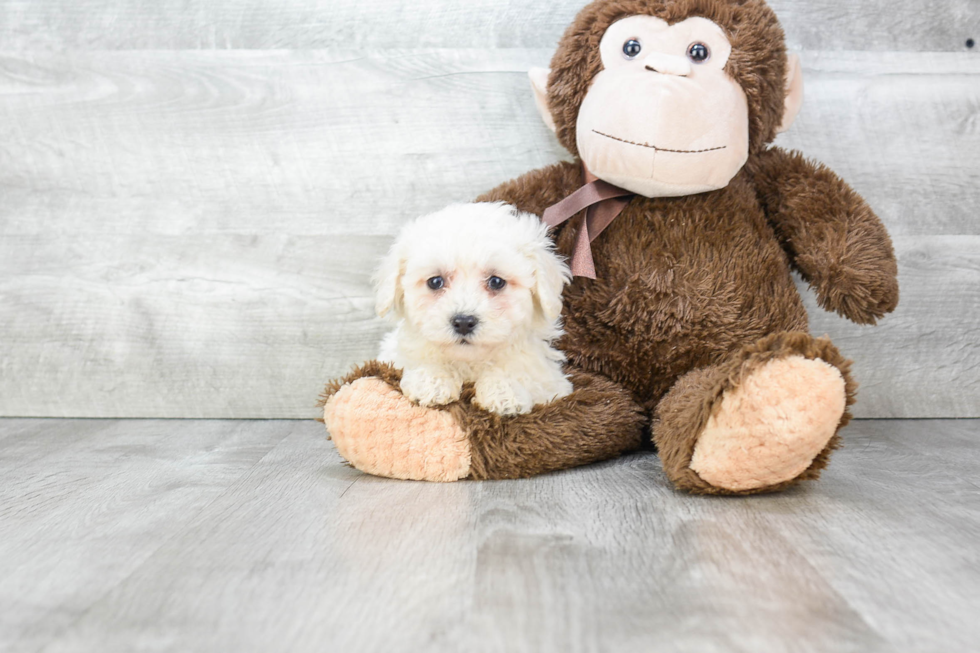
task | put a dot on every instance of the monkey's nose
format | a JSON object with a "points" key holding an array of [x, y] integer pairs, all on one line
{"points": [[464, 324], [667, 64]]}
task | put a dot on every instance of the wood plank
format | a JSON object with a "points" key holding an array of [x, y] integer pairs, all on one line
{"points": [[299, 548], [296, 24], [175, 326], [253, 326], [316, 143], [905, 137], [84, 503], [303, 553], [242, 142], [915, 509], [924, 359], [190, 234]]}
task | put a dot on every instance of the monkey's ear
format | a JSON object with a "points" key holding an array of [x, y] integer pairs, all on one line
{"points": [[539, 84], [794, 91]]}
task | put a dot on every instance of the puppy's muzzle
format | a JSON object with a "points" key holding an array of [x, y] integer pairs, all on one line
{"points": [[464, 324]]}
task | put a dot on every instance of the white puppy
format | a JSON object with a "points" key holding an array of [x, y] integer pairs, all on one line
{"points": [[477, 291]]}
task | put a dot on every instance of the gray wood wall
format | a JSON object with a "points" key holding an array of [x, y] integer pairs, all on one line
{"points": [[193, 193]]}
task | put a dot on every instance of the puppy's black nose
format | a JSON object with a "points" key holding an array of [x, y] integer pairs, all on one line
{"points": [[464, 324]]}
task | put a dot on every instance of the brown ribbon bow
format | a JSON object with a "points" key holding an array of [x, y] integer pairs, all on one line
{"points": [[604, 202]]}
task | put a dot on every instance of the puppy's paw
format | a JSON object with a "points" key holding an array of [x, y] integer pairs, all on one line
{"points": [[429, 388], [502, 396], [561, 388]]}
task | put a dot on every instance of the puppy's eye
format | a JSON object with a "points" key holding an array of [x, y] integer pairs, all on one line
{"points": [[631, 49], [496, 283], [698, 52], [435, 283]]}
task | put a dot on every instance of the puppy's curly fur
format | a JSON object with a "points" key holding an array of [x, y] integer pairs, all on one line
{"points": [[476, 289]]}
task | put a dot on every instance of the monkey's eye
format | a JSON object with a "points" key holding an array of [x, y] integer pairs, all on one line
{"points": [[698, 52], [496, 283], [631, 49], [435, 283]]}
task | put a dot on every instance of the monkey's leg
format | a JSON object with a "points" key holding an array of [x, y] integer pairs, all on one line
{"points": [[381, 432], [761, 421]]}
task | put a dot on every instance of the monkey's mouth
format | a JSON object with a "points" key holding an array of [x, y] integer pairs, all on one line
{"points": [[658, 149]]}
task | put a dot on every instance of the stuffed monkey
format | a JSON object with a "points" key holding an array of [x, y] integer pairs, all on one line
{"points": [[683, 224]]}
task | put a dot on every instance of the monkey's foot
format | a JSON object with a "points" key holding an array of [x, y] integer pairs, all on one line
{"points": [[761, 421], [770, 428], [380, 432]]}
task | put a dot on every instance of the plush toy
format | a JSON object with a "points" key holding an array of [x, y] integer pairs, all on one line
{"points": [[691, 332]]}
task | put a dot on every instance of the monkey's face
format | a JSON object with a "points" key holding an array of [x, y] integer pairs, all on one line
{"points": [[663, 118]]}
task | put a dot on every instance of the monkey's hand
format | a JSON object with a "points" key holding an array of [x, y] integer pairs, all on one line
{"points": [[830, 233], [853, 274]]}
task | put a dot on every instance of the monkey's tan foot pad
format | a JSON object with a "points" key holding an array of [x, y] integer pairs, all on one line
{"points": [[380, 432], [770, 428]]}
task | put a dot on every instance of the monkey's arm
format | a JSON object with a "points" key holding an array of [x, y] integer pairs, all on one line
{"points": [[831, 235], [535, 191]]}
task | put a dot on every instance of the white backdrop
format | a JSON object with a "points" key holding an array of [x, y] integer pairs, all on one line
{"points": [[193, 193]]}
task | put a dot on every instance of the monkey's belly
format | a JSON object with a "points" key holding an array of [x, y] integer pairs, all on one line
{"points": [[654, 320]]}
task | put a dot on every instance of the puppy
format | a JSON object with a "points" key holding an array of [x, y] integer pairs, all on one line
{"points": [[476, 289]]}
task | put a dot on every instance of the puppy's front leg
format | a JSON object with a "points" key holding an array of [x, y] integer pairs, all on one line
{"points": [[500, 394], [430, 386]]}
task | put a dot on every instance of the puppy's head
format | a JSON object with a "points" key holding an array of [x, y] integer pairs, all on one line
{"points": [[472, 277]]}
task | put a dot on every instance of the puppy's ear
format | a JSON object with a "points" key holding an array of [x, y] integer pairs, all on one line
{"points": [[550, 276], [388, 290]]}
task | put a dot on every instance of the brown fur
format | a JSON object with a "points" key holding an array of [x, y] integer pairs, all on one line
{"points": [[683, 413], [757, 62], [597, 421], [830, 233], [695, 292], [689, 287]]}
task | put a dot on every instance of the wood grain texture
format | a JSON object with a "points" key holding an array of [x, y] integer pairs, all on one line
{"points": [[256, 142], [167, 326], [251, 326], [312, 24], [84, 503], [924, 359], [286, 548], [336, 142], [190, 234], [903, 129]]}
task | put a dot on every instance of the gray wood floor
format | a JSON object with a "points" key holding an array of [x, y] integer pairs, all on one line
{"points": [[253, 536]]}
